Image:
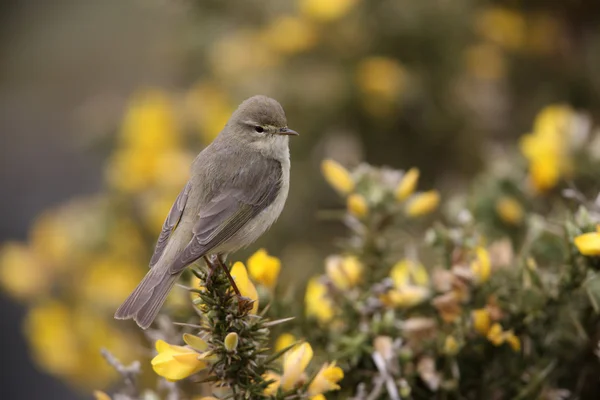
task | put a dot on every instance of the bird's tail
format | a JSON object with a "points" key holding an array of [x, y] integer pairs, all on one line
{"points": [[146, 300]]}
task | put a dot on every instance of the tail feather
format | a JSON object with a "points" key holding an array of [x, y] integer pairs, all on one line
{"points": [[146, 300]]}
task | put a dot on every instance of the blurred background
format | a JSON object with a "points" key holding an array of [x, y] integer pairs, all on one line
{"points": [[99, 99]]}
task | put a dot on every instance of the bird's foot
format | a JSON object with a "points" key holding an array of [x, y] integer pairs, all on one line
{"points": [[244, 304]]}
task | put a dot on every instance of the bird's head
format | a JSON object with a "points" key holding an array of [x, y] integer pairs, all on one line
{"points": [[260, 119]]}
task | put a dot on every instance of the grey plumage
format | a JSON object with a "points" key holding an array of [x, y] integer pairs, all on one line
{"points": [[237, 189]]}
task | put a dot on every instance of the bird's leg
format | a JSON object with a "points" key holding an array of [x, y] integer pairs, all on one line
{"points": [[231, 280], [244, 303], [211, 270]]}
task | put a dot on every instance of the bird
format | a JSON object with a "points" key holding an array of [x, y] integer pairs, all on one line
{"points": [[237, 189]]}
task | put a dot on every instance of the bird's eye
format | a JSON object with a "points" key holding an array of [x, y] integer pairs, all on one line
{"points": [[259, 129]]}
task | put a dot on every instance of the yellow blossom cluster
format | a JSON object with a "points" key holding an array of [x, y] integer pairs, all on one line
{"points": [[358, 203], [294, 365]]}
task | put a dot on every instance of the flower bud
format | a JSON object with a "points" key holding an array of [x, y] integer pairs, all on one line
{"points": [[231, 341]]}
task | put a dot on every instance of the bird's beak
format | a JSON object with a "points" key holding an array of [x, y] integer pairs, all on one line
{"points": [[287, 131]]}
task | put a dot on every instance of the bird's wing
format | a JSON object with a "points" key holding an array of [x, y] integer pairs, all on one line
{"points": [[252, 189], [170, 224]]}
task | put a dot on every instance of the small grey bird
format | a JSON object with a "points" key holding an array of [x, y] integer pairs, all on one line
{"points": [[237, 189]]}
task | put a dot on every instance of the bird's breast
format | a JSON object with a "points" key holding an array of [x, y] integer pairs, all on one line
{"points": [[263, 221]]}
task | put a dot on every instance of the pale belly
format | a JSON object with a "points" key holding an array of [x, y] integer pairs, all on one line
{"points": [[255, 228]]}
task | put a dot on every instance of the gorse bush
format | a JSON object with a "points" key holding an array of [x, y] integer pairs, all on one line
{"points": [[476, 287]]}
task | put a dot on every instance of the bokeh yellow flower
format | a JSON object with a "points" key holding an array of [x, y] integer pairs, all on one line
{"points": [[502, 26], [100, 395], [407, 271], [547, 148], [149, 131], [588, 244], [407, 185], [345, 272], [316, 302], [510, 210], [381, 78], [450, 346], [423, 203], [65, 341], [481, 267], [357, 205], [295, 362], [100, 285], [51, 238], [513, 341], [53, 341], [22, 274], [244, 284], [210, 107], [264, 268], [283, 341], [241, 53], [495, 335], [326, 10], [405, 297], [300, 35], [273, 386], [481, 320], [326, 380], [337, 176], [176, 362]]}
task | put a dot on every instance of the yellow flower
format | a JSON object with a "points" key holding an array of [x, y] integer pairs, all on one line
{"points": [[503, 26], [423, 204], [149, 122], [176, 362], [408, 184], [547, 148], [318, 397], [481, 320], [264, 268], [381, 77], [450, 346], [295, 362], [513, 341], [244, 284], [231, 341], [405, 297], [588, 244], [495, 335], [481, 267], [100, 395], [100, 285], [344, 272], [51, 238], [357, 205], [53, 341], [274, 386], [299, 35], [337, 176], [406, 270], [283, 341], [326, 380], [210, 107], [316, 302], [21, 273], [325, 11], [509, 210], [239, 54]]}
